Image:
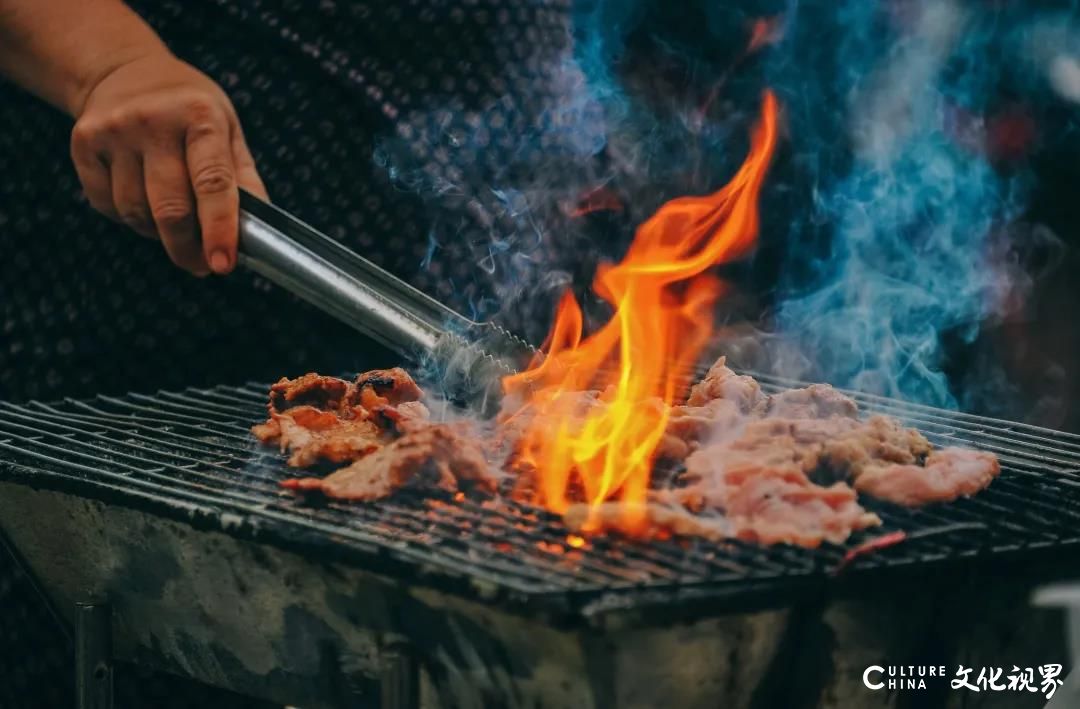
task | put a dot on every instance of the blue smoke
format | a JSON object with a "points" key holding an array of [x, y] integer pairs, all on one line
{"points": [[884, 202], [910, 207]]}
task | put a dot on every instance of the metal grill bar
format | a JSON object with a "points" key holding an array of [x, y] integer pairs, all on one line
{"points": [[189, 454]]}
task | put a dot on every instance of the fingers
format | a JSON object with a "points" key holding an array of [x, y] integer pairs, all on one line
{"points": [[166, 155], [213, 181], [246, 174], [172, 207], [129, 193], [93, 171]]}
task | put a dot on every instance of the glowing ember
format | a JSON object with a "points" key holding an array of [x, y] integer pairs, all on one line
{"points": [[575, 541], [600, 199], [765, 31], [602, 448]]}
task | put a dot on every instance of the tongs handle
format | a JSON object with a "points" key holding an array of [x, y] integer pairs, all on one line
{"points": [[340, 282]]}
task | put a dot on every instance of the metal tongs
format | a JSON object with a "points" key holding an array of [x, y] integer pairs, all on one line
{"points": [[471, 357]]}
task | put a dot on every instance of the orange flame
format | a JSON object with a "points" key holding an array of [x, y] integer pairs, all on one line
{"points": [[662, 297]]}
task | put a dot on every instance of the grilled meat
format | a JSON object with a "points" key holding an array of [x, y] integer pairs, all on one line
{"points": [[323, 419], [313, 435], [405, 417], [759, 484], [948, 474], [381, 387], [378, 425], [441, 455], [722, 383], [688, 425], [327, 393], [785, 468], [774, 509], [813, 402]]}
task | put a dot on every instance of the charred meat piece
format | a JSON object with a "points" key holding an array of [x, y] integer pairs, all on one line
{"points": [[312, 435], [440, 455], [328, 393], [403, 418], [948, 474], [382, 387], [323, 419]]}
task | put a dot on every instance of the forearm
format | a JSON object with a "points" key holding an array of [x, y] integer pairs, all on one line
{"points": [[60, 49]]}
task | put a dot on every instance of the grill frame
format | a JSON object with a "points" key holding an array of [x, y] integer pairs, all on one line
{"points": [[46, 446]]}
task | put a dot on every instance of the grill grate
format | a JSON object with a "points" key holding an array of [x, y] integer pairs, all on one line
{"points": [[189, 455]]}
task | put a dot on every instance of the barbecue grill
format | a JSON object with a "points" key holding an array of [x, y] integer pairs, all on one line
{"points": [[164, 506]]}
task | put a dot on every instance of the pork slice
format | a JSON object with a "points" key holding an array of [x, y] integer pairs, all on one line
{"points": [[268, 432], [688, 426], [780, 508], [948, 474], [311, 389], [759, 484], [813, 402], [381, 387], [722, 383], [312, 435], [403, 418], [839, 448], [442, 455]]}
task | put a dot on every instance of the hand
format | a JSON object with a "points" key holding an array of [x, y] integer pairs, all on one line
{"points": [[158, 147]]}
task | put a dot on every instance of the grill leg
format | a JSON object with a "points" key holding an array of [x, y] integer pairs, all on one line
{"points": [[93, 656], [399, 685]]}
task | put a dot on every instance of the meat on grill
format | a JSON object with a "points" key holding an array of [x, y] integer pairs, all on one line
{"points": [[758, 481], [722, 383], [688, 425], [816, 401], [381, 387], [316, 390], [788, 467], [785, 468], [439, 455], [378, 426], [948, 473], [312, 435], [321, 419]]}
